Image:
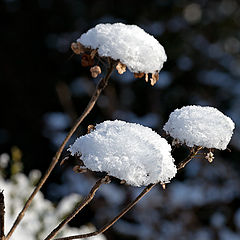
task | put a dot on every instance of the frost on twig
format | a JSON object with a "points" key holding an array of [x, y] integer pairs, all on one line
{"points": [[200, 126], [128, 151]]}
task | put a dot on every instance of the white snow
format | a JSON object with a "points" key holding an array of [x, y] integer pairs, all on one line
{"points": [[200, 126], [130, 44], [127, 151], [42, 215]]}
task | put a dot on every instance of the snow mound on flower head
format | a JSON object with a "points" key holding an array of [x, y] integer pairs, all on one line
{"points": [[200, 126], [127, 151], [130, 44]]}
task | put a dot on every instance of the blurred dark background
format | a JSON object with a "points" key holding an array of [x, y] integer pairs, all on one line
{"points": [[43, 88]]}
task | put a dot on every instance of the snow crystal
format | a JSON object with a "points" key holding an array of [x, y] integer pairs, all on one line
{"points": [[200, 126], [128, 151], [130, 44]]}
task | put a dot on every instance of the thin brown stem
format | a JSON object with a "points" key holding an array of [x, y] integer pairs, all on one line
{"points": [[101, 85], [2, 213], [181, 165], [79, 207], [108, 225], [184, 162]]}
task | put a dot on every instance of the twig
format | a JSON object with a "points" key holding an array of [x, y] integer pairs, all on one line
{"points": [[80, 206], [184, 162], [108, 225], [101, 85], [181, 165], [2, 213]]}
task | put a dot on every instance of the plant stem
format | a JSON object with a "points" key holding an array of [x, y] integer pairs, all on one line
{"points": [[79, 207], [184, 162], [108, 225], [181, 165], [101, 85], [2, 213]]}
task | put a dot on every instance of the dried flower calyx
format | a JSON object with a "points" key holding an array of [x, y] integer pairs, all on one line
{"points": [[154, 78], [78, 48], [139, 75], [121, 68], [210, 157], [95, 71], [90, 128]]}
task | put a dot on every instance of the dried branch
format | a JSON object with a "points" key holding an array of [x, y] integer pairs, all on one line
{"points": [[184, 162], [101, 85], [2, 213], [108, 225], [80, 206], [181, 165]]}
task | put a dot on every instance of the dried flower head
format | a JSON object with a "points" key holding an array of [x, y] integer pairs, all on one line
{"points": [[154, 78], [163, 186], [200, 126], [129, 44], [138, 75], [121, 68], [95, 71], [210, 157], [78, 48], [90, 128], [127, 151]]}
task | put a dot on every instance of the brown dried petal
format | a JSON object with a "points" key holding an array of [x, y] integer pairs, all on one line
{"points": [[95, 71], [123, 182], [86, 60], [77, 48], [93, 53], [139, 75], [146, 77], [154, 78], [90, 128], [121, 68]]}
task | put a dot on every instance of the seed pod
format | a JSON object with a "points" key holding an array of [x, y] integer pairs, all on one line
{"points": [[90, 128], [95, 71], [121, 68], [138, 75], [154, 78], [77, 48]]}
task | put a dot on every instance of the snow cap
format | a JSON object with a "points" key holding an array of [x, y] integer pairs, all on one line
{"points": [[127, 151], [130, 44], [200, 126]]}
